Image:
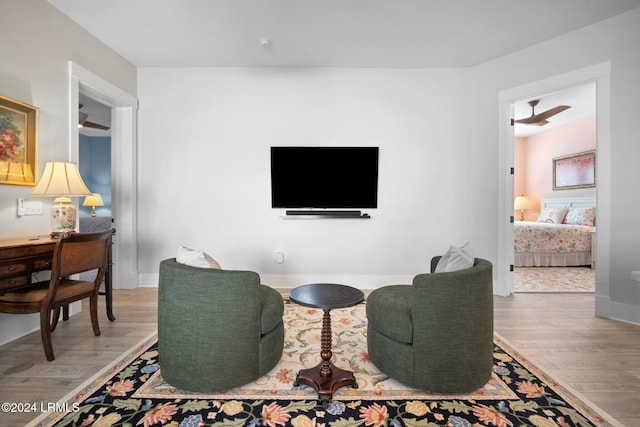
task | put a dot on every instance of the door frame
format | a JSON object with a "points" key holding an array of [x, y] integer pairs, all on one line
{"points": [[600, 74], [124, 108]]}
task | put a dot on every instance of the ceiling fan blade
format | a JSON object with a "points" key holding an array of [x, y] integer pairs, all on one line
{"points": [[87, 124], [552, 112], [540, 122], [82, 116], [541, 119], [532, 120]]}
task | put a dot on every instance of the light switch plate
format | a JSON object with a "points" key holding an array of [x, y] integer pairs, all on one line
{"points": [[29, 207]]}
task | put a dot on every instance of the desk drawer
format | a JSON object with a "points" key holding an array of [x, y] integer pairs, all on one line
{"points": [[42, 264], [7, 253], [13, 268], [13, 283]]}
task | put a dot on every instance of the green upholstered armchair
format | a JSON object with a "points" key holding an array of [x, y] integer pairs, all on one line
{"points": [[436, 334], [217, 329]]}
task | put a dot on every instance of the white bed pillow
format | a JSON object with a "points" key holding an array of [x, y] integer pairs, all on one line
{"points": [[456, 258], [196, 258], [581, 216], [553, 215]]}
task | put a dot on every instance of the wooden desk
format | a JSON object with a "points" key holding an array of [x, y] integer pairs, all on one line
{"points": [[20, 258]]}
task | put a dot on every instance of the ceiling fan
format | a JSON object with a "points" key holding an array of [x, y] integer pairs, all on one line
{"points": [[83, 122], [541, 119]]}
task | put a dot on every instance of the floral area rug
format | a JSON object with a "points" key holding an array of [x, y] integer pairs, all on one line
{"points": [[132, 392], [554, 279]]}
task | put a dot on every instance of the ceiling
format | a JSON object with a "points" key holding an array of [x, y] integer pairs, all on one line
{"points": [[330, 33], [338, 33], [96, 113]]}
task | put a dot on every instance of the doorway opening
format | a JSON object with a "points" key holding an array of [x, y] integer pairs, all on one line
{"points": [[599, 74], [95, 154], [553, 254]]}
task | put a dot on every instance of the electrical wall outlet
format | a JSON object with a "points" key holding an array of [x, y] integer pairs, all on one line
{"points": [[279, 257]]}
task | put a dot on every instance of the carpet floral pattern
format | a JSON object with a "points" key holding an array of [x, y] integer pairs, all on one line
{"points": [[554, 279], [132, 392]]}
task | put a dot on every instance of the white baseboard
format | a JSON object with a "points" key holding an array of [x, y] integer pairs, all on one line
{"points": [[616, 310], [290, 281], [285, 282]]}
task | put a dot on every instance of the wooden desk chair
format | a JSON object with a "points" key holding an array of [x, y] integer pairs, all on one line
{"points": [[74, 253]]}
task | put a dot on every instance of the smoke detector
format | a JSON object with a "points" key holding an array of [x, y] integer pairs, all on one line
{"points": [[264, 42]]}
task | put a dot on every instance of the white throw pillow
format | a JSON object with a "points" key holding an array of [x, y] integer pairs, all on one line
{"points": [[196, 258], [456, 259], [553, 216]]}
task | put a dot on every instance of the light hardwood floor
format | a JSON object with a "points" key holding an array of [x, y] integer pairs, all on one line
{"points": [[597, 357]]}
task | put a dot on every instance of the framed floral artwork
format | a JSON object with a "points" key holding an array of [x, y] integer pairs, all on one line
{"points": [[18, 142], [575, 171]]}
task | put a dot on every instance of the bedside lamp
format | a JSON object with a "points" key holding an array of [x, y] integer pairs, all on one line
{"points": [[61, 180], [522, 203], [93, 200]]}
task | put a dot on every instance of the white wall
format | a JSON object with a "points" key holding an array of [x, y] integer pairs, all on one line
{"points": [[34, 69], [204, 169], [615, 42], [205, 134]]}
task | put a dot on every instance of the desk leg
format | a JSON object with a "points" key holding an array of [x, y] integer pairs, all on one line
{"points": [[326, 378], [108, 291], [108, 283]]}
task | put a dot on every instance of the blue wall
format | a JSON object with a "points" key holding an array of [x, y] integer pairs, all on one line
{"points": [[95, 168]]}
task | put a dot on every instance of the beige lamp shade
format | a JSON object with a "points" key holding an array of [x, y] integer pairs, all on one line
{"points": [[522, 202], [93, 200], [61, 180]]}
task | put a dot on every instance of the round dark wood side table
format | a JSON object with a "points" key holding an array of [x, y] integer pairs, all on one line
{"points": [[326, 378]]}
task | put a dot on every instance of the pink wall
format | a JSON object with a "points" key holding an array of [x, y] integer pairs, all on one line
{"points": [[534, 155]]}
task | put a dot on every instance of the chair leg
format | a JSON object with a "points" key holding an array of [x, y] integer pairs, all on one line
{"points": [[45, 332], [93, 308], [54, 320]]}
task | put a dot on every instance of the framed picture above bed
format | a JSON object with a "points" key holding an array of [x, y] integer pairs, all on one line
{"points": [[575, 171]]}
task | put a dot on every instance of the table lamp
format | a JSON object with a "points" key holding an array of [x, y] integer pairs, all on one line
{"points": [[522, 202], [61, 180], [95, 199]]}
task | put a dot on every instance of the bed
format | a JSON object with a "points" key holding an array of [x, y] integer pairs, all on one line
{"points": [[562, 236]]}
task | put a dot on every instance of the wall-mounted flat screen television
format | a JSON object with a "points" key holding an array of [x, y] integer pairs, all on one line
{"points": [[324, 177]]}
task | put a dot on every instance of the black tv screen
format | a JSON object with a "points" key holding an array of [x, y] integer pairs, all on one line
{"points": [[324, 177]]}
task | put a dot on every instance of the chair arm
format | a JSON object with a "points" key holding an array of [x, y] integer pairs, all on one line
{"points": [[455, 304], [191, 299], [271, 309]]}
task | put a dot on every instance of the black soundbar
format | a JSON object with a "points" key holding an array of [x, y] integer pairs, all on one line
{"points": [[326, 213]]}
